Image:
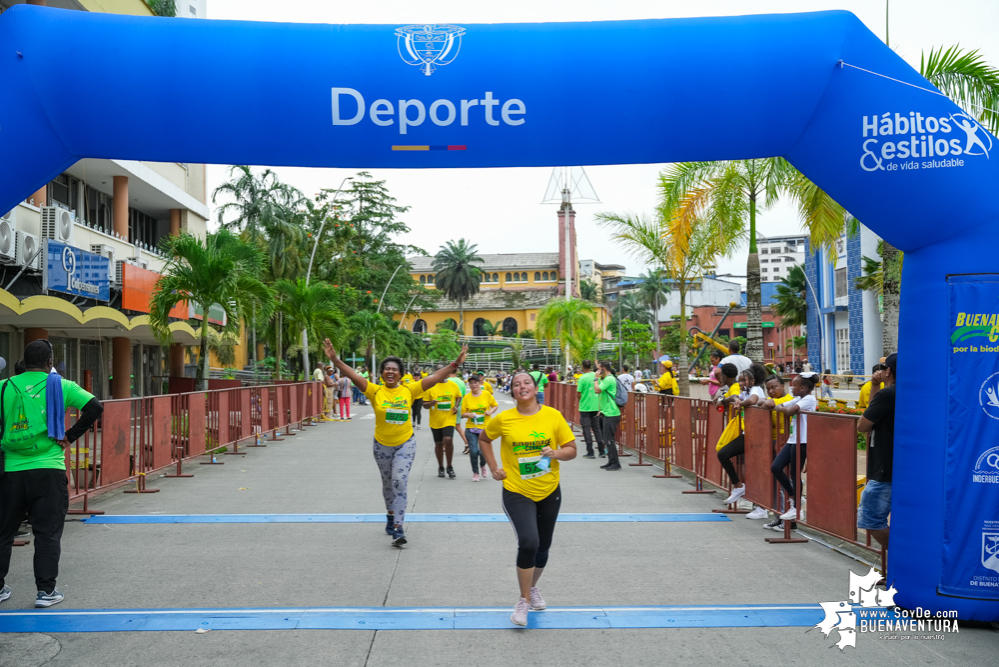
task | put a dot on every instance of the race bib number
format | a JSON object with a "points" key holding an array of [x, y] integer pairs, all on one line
{"points": [[396, 416], [529, 467], [444, 406], [478, 420]]}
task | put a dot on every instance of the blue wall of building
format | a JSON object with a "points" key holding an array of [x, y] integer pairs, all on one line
{"points": [[812, 273], [856, 304]]}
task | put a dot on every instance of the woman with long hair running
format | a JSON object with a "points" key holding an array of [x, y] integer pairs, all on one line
{"points": [[394, 443], [534, 439]]}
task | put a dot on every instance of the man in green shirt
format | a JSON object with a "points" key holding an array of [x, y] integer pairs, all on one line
{"points": [[589, 410], [605, 386], [540, 379], [35, 461]]}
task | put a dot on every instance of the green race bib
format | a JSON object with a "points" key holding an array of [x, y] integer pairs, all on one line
{"points": [[396, 416]]}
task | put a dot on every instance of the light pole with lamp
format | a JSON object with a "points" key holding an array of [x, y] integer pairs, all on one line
{"points": [[379, 309], [308, 275]]}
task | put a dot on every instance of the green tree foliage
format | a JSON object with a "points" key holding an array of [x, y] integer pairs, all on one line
{"points": [[444, 346], [316, 308], [636, 340], [457, 276], [790, 299], [589, 291], [583, 344], [563, 318], [368, 329]]}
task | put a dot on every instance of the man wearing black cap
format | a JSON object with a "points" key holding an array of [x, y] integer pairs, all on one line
{"points": [[879, 420]]}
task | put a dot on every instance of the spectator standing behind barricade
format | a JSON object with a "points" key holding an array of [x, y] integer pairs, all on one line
{"points": [[741, 362], [589, 409], [345, 387], [713, 380], [605, 386], [879, 420], [733, 441], [777, 396], [626, 378], [33, 441], [318, 375], [328, 393], [417, 402], [802, 387], [541, 380], [477, 406], [826, 388], [534, 439], [552, 375], [865, 389], [667, 381]]}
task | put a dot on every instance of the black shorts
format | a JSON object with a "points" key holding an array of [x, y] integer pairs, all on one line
{"points": [[441, 433]]}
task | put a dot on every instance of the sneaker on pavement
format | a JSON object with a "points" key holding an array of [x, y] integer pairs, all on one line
{"points": [[4, 592], [605, 466], [519, 615], [440, 472], [389, 524], [44, 599], [589, 456], [613, 467], [603, 456], [776, 524], [450, 472], [485, 472], [475, 477], [737, 492], [537, 602], [758, 513], [791, 514], [400, 537]]}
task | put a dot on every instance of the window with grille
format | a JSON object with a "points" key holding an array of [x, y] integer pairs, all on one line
{"points": [[840, 282], [842, 349]]}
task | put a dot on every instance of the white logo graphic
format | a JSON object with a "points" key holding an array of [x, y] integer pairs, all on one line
{"points": [[988, 396], [69, 261], [990, 551], [899, 141], [987, 467], [428, 46], [841, 617]]}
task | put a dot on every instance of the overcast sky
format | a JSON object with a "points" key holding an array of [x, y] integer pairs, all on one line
{"points": [[499, 209]]}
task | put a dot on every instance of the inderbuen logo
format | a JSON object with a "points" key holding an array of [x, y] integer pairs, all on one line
{"points": [[898, 141], [429, 46], [987, 467]]}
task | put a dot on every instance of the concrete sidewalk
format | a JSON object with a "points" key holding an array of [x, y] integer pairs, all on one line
{"points": [[329, 469]]}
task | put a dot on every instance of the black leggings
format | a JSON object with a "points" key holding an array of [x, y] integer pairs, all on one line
{"points": [[785, 459], [418, 411], [730, 451], [533, 524]]}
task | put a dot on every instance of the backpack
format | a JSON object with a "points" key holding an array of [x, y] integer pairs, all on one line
{"points": [[621, 394], [27, 422]]}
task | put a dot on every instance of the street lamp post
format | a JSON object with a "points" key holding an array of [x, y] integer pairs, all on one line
{"points": [[818, 315], [308, 275], [378, 310]]}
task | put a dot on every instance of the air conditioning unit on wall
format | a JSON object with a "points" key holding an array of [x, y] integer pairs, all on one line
{"points": [[107, 251], [57, 224], [28, 251], [8, 242]]}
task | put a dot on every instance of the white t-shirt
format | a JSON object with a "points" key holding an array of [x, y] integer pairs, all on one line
{"points": [[318, 375], [741, 363], [754, 391], [628, 380], [804, 403]]}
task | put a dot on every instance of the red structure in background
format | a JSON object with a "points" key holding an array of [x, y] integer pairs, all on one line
{"points": [[775, 345]]}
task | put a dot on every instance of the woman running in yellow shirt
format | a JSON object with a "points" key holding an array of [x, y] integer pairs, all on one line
{"points": [[535, 438], [394, 445], [477, 407]]}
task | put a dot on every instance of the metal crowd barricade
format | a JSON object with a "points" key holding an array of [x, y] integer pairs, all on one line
{"points": [[139, 436]]}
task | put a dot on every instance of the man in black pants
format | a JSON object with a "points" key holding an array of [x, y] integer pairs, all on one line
{"points": [[589, 408], [35, 477]]}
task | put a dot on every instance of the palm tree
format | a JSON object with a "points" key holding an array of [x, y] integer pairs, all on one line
{"points": [[254, 197], [314, 308], [630, 307], [584, 344], [456, 277], [219, 270], [369, 328], [790, 301], [490, 329], [562, 318], [589, 291], [654, 291]]}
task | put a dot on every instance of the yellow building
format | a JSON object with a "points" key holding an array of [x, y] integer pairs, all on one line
{"points": [[514, 289]]}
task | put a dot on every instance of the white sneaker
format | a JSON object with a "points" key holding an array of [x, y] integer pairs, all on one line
{"points": [[792, 515], [758, 513], [537, 602], [475, 477], [485, 472], [737, 492], [519, 615]]}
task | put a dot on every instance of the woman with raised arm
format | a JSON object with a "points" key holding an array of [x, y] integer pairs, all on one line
{"points": [[394, 444], [534, 439]]}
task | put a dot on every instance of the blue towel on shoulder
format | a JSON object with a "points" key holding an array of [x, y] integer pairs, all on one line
{"points": [[55, 406]]}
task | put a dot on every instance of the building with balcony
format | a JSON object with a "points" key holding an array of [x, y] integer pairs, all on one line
{"points": [[79, 259], [778, 254]]}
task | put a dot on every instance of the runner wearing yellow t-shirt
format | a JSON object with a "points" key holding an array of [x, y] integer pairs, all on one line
{"points": [[443, 402], [394, 444], [486, 386], [477, 407], [534, 439]]}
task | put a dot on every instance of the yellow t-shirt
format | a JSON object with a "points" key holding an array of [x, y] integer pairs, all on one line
{"points": [[523, 438], [667, 381], [776, 418], [407, 378], [447, 395], [488, 387], [479, 405], [393, 407], [865, 395], [733, 428], [423, 374]]}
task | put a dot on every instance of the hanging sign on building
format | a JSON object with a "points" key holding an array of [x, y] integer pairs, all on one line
{"points": [[74, 271]]}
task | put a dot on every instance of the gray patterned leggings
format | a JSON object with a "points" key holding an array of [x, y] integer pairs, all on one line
{"points": [[394, 464]]}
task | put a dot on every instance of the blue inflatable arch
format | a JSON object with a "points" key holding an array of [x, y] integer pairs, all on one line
{"points": [[905, 160]]}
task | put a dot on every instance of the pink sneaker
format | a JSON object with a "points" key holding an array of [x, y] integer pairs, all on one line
{"points": [[537, 602], [475, 477], [485, 472], [519, 615]]}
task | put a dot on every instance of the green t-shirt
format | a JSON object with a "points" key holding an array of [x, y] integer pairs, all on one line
{"points": [[608, 389], [461, 384], [540, 379], [587, 397], [45, 452]]}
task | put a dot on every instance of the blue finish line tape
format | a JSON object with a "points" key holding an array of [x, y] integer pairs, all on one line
{"points": [[380, 518], [379, 618]]}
